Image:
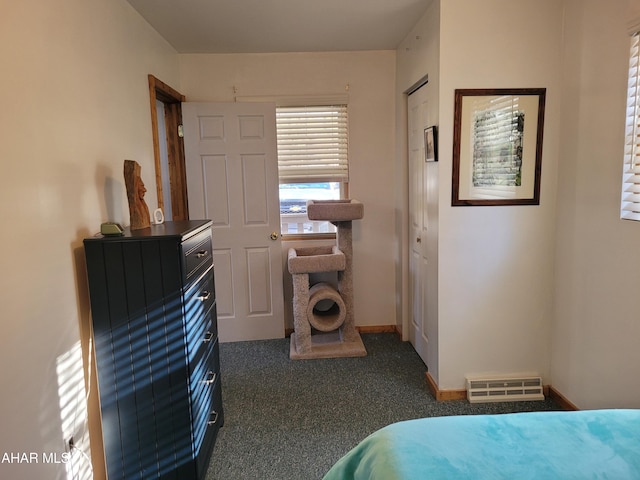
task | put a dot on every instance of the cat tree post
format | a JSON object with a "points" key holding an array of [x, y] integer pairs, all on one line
{"points": [[302, 329], [344, 239]]}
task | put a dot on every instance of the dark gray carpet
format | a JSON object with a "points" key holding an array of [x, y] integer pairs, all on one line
{"points": [[292, 420]]}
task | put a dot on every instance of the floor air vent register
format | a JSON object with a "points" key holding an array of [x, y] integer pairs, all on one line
{"points": [[504, 389]]}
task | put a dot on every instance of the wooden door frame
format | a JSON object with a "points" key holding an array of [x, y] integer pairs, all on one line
{"points": [[172, 100]]}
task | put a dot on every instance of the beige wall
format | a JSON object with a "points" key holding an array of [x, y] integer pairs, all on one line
{"points": [[595, 356], [369, 79], [547, 289], [497, 263], [75, 105], [495, 270]]}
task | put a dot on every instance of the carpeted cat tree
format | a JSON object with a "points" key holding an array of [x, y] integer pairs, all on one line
{"points": [[323, 320]]}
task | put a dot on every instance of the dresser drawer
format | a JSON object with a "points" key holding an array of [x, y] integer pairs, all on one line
{"points": [[205, 372], [215, 420], [197, 253], [200, 340], [199, 298], [205, 379]]}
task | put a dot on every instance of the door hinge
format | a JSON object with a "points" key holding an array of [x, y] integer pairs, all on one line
{"points": [[180, 131]]}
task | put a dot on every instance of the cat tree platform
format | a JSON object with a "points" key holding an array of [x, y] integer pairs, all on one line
{"points": [[315, 259], [335, 210]]}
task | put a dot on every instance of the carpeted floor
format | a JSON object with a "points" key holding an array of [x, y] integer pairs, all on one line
{"points": [[291, 420]]}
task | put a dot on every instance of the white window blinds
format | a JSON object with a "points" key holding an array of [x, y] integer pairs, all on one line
{"points": [[312, 144], [630, 205]]}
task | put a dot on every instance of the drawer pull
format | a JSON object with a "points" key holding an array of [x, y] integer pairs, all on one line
{"points": [[208, 337], [205, 296], [211, 377], [213, 418], [202, 253]]}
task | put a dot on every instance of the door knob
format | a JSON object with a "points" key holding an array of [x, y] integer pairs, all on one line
{"points": [[273, 236]]}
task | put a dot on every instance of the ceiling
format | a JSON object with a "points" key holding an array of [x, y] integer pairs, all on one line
{"points": [[260, 26]]}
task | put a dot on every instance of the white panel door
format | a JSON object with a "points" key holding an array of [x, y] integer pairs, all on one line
{"points": [[422, 234], [232, 179]]}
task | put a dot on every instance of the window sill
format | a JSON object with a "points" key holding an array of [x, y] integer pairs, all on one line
{"points": [[286, 237]]}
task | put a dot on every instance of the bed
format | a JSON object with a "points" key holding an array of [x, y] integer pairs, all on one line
{"points": [[589, 444]]}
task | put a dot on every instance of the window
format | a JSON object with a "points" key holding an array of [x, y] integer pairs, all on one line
{"points": [[630, 205], [312, 162]]}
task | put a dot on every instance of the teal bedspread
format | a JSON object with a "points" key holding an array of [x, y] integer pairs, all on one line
{"points": [[590, 444]]}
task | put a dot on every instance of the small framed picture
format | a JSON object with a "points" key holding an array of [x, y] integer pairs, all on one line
{"points": [[431, 144]]}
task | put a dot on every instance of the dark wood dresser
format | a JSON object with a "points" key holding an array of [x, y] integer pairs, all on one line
{"points": [[153, 310]]}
